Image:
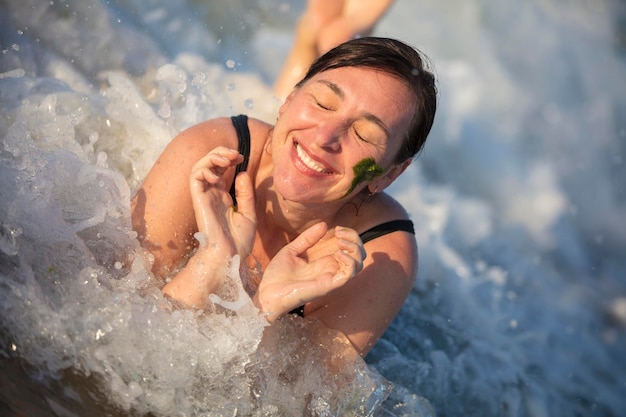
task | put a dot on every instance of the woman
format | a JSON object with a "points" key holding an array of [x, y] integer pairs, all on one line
{"points": [[309, 197]]}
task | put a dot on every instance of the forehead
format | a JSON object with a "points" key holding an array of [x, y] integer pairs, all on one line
{"points": [[372, 91]]}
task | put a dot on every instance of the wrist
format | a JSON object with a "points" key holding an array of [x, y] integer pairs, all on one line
{"points": [[210, 249], [266, 310], [203, 275]]}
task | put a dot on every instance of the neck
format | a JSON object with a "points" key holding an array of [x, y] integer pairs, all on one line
{"points": [[291, 217], [278, 215]]}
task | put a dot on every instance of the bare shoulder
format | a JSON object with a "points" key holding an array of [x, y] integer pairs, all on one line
{"points": [[259, 133], [209, 134], [397, 246], [365, 306], [199, 139], [257, 126], [223, 127], [381, 209]]}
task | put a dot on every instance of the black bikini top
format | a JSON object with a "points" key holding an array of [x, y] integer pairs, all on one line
{"points": [[243, 137]]}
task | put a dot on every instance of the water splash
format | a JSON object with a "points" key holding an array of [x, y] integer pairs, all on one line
{"points": [[517, 200]]}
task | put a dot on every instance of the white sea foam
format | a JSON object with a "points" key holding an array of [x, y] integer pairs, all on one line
{"points": [[517, 200]]}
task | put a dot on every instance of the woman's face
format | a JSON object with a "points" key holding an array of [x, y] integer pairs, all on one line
{"points": [[338, 122]]}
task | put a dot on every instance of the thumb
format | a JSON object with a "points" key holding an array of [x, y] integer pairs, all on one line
{"points": [[244, 191]]}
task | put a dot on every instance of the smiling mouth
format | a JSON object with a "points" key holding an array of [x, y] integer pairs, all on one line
{"points": [[309, 162]]}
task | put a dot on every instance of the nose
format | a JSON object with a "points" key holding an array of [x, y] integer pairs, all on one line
{"points": [[329, 135]]}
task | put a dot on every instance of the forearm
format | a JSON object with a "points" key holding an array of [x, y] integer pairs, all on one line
{"points": [[302, 53], [365, 14]]}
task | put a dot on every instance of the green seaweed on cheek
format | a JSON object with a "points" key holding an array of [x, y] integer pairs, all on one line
{"points": [[365, 170]]}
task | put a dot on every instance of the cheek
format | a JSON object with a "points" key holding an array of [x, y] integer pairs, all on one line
{"points": [[278, 138], [364, 171], [300, 110]]}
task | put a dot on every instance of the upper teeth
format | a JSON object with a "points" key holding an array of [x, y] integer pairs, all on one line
{"points": [[304, 157]]}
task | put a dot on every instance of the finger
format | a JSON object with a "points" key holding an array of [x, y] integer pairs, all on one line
{"points": [[354, 248], [225, 151], [347, 233], [304, 291], [219, 157], [212, 166], [349, 240], [244, 192], [205, 174], [347, 264], [306, 239]]}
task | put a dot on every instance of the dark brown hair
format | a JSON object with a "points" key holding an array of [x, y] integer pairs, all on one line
{"points": [[400, 60]]}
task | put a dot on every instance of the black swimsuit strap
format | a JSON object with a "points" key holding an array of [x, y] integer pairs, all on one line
{"points": [[387, 227], [373, 233], [243, 137]]}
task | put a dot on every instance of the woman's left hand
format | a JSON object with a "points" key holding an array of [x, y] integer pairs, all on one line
{"points": [[290, 280]]}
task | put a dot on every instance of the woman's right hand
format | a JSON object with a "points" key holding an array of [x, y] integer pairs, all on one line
{"points": [[225, 228]]}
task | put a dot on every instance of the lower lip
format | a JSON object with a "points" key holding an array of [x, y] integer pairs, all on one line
{"points": [[302, 167]]}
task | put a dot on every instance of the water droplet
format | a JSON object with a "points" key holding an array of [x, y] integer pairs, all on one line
{"points": [[198, 79], [165, 110]]}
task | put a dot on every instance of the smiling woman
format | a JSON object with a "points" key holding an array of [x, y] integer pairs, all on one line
{"points": [[310, 188]]}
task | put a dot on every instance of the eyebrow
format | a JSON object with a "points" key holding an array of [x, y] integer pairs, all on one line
{"points": [[368, 116]]}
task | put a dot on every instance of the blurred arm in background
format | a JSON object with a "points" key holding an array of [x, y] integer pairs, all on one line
{"points": [[324, 25]]}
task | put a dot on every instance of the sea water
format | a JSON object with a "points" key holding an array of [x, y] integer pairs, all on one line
{"points": [[518, 199]]}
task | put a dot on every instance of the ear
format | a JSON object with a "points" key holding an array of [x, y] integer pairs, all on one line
{"points": [[379, 184]]}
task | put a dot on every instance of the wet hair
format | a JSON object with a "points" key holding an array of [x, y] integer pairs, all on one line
{"points": [[397, 59]]}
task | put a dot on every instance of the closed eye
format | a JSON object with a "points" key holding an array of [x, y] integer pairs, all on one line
{"points": [[358, 135], [322, 105]]}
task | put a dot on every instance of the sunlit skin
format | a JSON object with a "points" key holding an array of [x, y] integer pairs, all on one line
{"points": [[300, 206]]}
